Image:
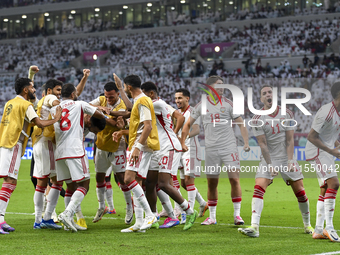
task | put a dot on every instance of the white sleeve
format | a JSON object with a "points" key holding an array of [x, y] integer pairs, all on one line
{"points": [[231, 109], [157, 106], [257, 127], [30, 113], [319, 121], [144, 113], [49, 99], [89, 109], [95, 102], [196, 112], [170, 109], [197, 121]]}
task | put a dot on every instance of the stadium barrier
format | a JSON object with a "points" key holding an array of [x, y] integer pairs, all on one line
{"points": [[254, 153]]}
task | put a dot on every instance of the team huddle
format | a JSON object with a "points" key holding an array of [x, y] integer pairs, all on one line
{"points": [[145, 143]]}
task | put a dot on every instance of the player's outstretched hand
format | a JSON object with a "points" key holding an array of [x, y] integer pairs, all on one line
{"points": [[120, 122], [118, 81], [34, 69], [57, 114], [86, 72], [246, 148], [116, 136], [336, 152]]}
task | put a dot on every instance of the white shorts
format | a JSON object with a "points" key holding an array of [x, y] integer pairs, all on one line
{"points": [[108, 161], [10, 160], [189, 167], [324, 166], [75, 169], [217, 161], [44, 162], [282, 167], [142, 166], [165, 161]]}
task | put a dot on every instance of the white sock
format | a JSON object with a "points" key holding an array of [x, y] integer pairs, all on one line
{"points": [[127, 195], [109, 196], [39, 202], [212, 203], [138, 212], [256, 208], [100, 190], [329, 203], [237, 205], [139, 194], [166, 204], [199, 198], [186, 207], [52, 200], [191, 195], [320, 213], [76, 200]]}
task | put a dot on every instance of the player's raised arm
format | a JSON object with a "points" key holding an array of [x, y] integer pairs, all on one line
{"points": [[33, 70], [314, 138], [126, 100], [244, 133], [80, 87], [45, 123], [124, 114]]}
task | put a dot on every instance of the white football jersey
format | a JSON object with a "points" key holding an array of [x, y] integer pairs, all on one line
{"points": [[271, 126], [167, 137], [192, 143], [219, 134], [69, 130], [327, 124], [47, 105]]}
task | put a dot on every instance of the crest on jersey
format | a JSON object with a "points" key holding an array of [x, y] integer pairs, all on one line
{"points": [[223, 109], [9, 109]]}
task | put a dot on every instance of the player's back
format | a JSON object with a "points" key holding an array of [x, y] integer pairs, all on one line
{"points": [[69, 131], [167, 137]]}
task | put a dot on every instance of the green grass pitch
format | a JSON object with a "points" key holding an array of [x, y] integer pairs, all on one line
{"points": [[281, 229]]}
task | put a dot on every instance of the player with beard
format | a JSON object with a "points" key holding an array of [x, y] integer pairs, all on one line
{"points": [[275, 135], [15, 126]]}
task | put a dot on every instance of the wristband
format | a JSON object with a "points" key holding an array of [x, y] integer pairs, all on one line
{"points": [[139, 146]]}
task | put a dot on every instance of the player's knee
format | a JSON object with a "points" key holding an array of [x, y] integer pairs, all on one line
{"points": [[234, 181]]}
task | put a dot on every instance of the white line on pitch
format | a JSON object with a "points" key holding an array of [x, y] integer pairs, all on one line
{"points": [[328, 253]]}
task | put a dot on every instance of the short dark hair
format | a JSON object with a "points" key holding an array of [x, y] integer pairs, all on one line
{"points": [[20, 84], [110, 86], [98, 123], [67, 90], [149, 86], [133, 80], [185, 92], [51, 83], [335, 90], [265, 86]]}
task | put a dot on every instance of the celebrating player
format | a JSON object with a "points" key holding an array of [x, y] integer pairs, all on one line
{"points": [[72, 165], [15, 126], [275, 135], [165, 161], [221, 148], [320, 150]]}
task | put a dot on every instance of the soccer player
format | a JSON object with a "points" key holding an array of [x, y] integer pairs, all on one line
{"points": [[165, 160], [220, 148], [320, 151], [190, 157], [275, 136], [16, 123], [143, 140], [110, 155], [71, 162]]}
